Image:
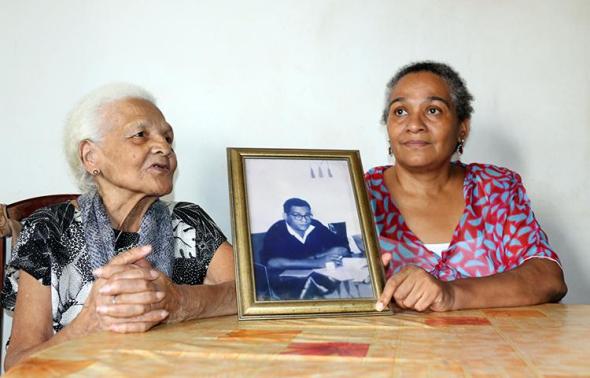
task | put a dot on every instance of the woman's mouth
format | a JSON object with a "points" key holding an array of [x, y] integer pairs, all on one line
{"points": [[415, 144], [160, 168]]}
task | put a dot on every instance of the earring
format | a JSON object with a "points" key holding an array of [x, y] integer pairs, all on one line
{"points": [[460, 145], [96, 172], [389, 152]]}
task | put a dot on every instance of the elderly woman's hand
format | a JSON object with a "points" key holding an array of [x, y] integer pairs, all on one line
{"points": [[135, 292], [127, 298], [138, 290], [415, 289]]}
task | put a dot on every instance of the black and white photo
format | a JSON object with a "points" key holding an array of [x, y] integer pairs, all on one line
{"points": [[306, 239]]}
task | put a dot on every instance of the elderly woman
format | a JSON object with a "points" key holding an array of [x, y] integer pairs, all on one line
{"points": [[118, 258], [453, 235]]}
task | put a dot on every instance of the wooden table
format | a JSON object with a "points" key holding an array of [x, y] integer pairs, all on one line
{"points": [[548, 340]]}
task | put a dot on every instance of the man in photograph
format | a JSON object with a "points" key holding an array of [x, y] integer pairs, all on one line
{"points": [[299, 242]]}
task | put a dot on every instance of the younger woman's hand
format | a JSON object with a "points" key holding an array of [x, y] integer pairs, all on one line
{"points": [[415, 289]]}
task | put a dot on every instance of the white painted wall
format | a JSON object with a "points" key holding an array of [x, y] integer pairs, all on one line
{"points": [[307, 74]]}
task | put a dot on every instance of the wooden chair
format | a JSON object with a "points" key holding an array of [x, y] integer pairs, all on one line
{"points": [[10, 218]]}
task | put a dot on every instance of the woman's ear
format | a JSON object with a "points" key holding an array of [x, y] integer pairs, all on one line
{"points": [[464, 129], [88, 156]]}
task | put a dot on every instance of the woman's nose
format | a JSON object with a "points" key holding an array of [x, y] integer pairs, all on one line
{"points": [[415, 123], [161, 146]]}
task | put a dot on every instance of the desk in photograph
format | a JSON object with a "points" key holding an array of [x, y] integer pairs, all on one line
{"points": [[549, 340], [352, 276]]}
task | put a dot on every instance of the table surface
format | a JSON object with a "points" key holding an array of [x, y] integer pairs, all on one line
{"points": [[547, 340]]}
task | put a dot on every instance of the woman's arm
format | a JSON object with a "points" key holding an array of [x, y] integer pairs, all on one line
{"points": [[536, 281], [215, 298], [31, 330], [32, 327], [135, 292]]}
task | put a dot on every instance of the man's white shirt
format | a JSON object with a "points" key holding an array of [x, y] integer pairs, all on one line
{"points": [[297, 236]]}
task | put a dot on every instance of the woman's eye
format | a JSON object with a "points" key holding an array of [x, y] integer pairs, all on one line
{"points": [[433, 111], [140, 134], [169, 140], [399, 112]]}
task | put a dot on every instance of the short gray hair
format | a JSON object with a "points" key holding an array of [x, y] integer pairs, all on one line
{"points": [[84, 123]]}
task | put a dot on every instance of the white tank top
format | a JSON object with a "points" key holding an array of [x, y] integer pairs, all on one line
{"points": [[437, 248]]}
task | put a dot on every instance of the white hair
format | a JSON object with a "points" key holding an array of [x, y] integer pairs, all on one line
{"points": [[84, 123]]}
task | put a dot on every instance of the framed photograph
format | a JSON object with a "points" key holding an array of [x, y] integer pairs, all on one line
{"points": [[304, 236]]}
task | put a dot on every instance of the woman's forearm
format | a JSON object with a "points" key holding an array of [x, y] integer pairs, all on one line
{"points": [[205, 301], [536, 281], [14, 354]]}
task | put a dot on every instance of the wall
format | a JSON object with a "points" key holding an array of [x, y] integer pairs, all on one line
{"points": [[307, 74]]}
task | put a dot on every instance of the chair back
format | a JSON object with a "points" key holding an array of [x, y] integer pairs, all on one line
{"points": [[10, 218], [339, 228], [257, 240]]}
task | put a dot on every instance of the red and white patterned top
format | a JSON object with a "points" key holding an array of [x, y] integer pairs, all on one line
{"points": [[497, 231]]}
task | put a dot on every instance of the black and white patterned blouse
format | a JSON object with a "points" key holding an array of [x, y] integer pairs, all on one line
{"points": [[51, 247]]}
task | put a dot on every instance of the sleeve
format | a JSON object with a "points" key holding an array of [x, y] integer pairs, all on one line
{"points": [[208, 236], [31, 253], [197, 238], [523, 237]]}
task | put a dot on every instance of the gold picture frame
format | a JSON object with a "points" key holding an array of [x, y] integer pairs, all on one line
{"points": [[280, 277]]}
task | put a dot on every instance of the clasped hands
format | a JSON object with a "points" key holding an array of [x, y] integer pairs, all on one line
{"points": [[128, 295], [412, 288]]}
